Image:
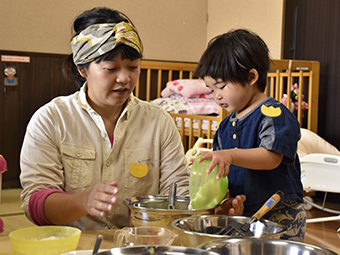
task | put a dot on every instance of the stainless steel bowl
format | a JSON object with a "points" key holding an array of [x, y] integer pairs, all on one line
{"points": [[253, 246], [151, 250], [153, 210], [195, 230]]}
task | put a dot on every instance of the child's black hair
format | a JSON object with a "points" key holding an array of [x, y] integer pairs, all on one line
{"points": [[230, 57]]}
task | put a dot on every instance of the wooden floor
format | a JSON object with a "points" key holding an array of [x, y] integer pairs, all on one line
{"points": [[323, 234]]}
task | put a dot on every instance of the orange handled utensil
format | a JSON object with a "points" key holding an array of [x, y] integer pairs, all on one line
{"points": [[239, 229]]}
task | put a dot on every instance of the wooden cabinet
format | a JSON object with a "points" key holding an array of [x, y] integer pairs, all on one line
{"points": [[37, 82]]}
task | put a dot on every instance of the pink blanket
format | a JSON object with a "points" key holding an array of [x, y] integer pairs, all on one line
{"points": [[186, 88], [190, 96]]}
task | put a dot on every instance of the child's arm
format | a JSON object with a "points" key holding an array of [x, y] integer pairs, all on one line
{"points": [[256, 159]]}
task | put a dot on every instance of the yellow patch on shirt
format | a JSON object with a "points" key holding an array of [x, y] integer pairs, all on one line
{"points": [[139, 170], [271, 111]]}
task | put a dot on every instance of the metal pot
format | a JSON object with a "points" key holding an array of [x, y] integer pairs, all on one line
{"points": [[153, 210], [151, 250], [196, 230], [238, 246]]}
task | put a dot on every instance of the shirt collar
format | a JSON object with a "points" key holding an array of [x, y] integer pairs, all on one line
{"points": [[82, 101]]}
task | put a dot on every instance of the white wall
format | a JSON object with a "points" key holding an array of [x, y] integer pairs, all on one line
{"points": [[265, 17], [171, 30]]}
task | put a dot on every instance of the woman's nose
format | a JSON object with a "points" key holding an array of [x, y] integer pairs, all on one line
{"points": [[123, 77]]}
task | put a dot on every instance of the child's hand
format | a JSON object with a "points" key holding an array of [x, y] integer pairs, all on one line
{"points": [[232, 206], [220, 158]]}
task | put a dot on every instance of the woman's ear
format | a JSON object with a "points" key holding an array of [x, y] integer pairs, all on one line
{"points": [[253, 76], [82, 72]]}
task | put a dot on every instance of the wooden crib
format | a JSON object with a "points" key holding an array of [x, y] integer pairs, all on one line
{"points": [[283, 73]]}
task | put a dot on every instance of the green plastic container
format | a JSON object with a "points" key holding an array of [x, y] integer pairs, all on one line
{"points": [[204, 189]]}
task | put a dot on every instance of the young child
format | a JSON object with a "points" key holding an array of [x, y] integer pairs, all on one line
{"points": [[256, 145]]}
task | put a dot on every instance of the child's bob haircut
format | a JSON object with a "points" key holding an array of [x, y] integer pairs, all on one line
{"points": [[232, 55]]}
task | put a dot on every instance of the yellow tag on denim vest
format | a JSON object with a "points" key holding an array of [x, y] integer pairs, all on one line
{"points": [[271, 111]]}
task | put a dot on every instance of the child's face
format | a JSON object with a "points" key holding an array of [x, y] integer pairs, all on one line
{"points": [[233, 97]]}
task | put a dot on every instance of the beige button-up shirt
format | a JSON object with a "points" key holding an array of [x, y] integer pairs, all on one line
{"points": [[66, 147]]}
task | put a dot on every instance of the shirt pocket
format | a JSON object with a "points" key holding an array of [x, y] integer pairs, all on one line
{"points": [[78, 165], [139, 169]]}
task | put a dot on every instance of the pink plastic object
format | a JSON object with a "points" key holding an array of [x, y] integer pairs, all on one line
{"points": [[3, 164], [1, 226]]}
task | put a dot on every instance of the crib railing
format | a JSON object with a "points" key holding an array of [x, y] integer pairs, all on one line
{"points": [[282, 74], [306, 74]]}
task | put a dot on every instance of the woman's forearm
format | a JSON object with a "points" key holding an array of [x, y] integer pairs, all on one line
{"points": [[62, 209]]}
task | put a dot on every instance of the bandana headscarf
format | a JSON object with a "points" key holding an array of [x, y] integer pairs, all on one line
{"points": [[98, 39]]}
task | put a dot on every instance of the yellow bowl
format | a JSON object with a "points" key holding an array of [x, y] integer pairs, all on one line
{"points": [[44, 240]]}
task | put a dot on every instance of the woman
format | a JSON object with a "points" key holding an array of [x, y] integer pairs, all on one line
{"points": [[85, 153]]}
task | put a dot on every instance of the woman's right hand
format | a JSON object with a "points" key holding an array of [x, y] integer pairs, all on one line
{"points": [[101, 198]]}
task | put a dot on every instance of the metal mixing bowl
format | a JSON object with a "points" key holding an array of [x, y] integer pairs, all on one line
{"points": [[153, 210], [195, 230], [157, 250], [253, 246]]}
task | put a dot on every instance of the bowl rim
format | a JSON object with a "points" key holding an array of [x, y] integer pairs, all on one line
{"points": [[77, 231], [132, 228], [172, 248], [188, 232], [131, 203], [239, 240]]}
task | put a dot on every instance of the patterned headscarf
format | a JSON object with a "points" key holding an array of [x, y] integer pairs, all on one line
{"points": [[98, 39]]}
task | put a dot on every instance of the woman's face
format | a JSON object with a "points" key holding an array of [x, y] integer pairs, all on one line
{"points": [[111, 82]]}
